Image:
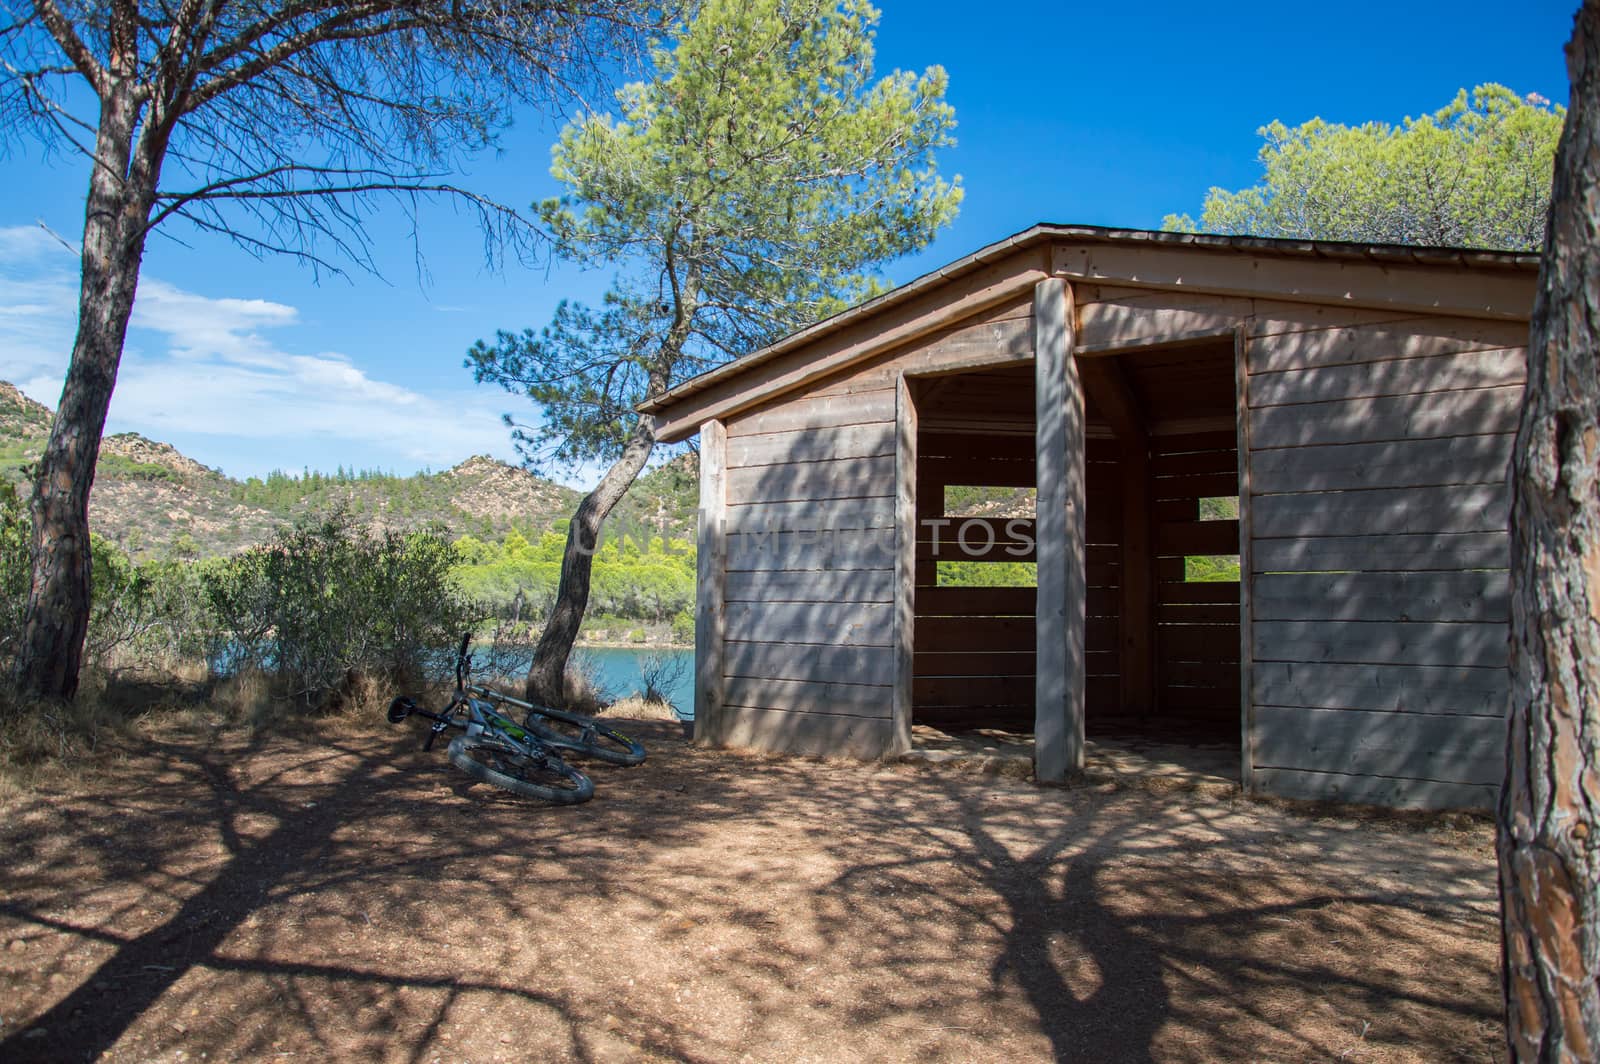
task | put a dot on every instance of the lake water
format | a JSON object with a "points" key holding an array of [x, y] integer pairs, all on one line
{"points": [[617, 669]]}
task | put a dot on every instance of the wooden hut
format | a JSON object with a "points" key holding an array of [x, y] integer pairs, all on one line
{"points": [[1357, 401]]}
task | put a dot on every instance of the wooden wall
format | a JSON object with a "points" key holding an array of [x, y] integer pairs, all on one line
{"points": [[1103, 571], [973, 646], [1197, 624], [809, 659], [1379, 548]]}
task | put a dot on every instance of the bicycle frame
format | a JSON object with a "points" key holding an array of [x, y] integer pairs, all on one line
{"points": [[479, 714]]}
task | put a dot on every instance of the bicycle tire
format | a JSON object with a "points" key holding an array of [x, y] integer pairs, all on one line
{"points": [[592, 738], [545, 777]]}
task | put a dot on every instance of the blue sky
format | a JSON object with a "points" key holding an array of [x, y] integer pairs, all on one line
{"points": [[1102, 114]]}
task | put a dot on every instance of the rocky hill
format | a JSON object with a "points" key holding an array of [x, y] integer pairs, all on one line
{"points": [[155, 501], [21, 417]]}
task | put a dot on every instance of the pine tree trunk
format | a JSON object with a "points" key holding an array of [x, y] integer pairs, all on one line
{"points": [[546, 679], [1549, 830], [57, 617]]}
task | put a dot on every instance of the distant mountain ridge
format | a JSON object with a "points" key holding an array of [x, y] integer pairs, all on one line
{"points": [[155, 501]]}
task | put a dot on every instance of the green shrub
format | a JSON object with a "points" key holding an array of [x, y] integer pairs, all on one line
{"points": [[14, 572], [683, 626], [142, 615], [328, 601]]}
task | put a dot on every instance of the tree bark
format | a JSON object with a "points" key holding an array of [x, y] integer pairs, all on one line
{"points": [[56, 620], [1549, 828], [546, 678]]}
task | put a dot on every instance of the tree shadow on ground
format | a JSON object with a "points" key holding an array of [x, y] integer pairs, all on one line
{"points": [[352, 897]]}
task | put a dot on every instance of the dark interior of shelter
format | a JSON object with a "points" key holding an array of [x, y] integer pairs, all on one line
{"points": [[1161, 551]]}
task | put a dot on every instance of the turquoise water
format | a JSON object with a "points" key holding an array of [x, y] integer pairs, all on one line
{"points": [[617, 669]]}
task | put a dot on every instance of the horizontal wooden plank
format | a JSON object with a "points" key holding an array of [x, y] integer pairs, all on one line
{"points": [[1388, 553], [1216, 674], [1198, 613], [1391, 464], [973, 663], [843, 478], [1445, 691], [808, 696], [1432, 414], [811, 445], [792, 661], [972, 691], [1224, 439], [1193, 463], [827, 585], [1412, 511], [1359, 743], [1200, 592], [932, 446], [1382, 643], [976, 601], [826, 623], [1198, 642], [1197, 537], [1459, 596], [948, 634], [1196, 486], [818, 412], [1214, 702], [1170, 511], [976, 470], [1421, 288], [1471, 369], [1373, 790], [1275, 317], [1288, 344], [1129, 320], [1101, 633], [1017, 718], [826, 516], [850, 550], [806, 734]]}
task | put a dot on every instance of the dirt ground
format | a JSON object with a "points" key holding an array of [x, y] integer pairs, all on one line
{"points": [[342, 895]]}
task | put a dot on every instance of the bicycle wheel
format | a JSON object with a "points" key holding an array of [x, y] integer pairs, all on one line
{"points": [[539, 776], [584, 735]]}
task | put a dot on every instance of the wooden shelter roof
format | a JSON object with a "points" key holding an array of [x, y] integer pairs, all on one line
{"points": [[1462, 282]]}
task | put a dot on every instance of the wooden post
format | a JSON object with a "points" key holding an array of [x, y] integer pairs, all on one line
{"points": [[1059, 682], [1241, 398], [711, 569], [905, 564]]}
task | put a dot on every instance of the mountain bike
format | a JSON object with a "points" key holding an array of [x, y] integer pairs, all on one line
{"points": [[494, 748], [569, 731]]}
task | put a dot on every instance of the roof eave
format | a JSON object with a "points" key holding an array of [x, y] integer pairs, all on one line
{"points": [[1404, 256]]}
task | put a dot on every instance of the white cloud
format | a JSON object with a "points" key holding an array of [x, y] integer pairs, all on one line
{"points": [[218, 377], [25, 243], [202, 328], [38, 309]]}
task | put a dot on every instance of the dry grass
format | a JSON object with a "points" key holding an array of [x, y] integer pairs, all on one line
{"points": [[114, 711], [638, 708], [582, 688]]}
